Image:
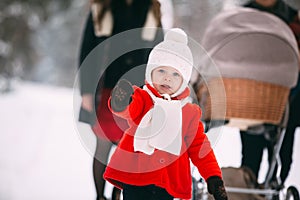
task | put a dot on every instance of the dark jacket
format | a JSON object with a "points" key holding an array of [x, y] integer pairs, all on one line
{"points": [[96, 71], [290, 16], [280, 9]]}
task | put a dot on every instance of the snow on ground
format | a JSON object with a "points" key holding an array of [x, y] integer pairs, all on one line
{"points": [[42, 156]]}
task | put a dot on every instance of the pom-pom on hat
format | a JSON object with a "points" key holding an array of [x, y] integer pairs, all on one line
{"points": [[173, 52]]}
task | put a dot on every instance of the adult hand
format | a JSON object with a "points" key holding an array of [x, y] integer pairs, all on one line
{"points": [[87, 102], [86, 114]]}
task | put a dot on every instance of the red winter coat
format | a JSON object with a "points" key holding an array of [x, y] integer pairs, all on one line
{"points": [[108, 125], [161, 168]]}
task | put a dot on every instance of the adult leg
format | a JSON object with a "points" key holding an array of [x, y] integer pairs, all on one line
{"points": [[286, 151], [252, 150], [100, 160]]}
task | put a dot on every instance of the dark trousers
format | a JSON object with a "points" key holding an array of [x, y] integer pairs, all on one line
{"points": [[253, 145], [148, 192], [252, 150]]}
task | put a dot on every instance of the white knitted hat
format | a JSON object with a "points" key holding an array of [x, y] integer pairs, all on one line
{"points": [[173, 52]]}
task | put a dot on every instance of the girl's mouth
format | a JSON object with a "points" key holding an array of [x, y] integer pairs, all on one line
{"points": [[165, 87]]}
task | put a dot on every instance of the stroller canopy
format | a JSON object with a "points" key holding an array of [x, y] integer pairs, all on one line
{"points": [[251, 44]]}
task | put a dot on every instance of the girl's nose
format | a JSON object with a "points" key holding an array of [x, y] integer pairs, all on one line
{"points": [[167, 77]]}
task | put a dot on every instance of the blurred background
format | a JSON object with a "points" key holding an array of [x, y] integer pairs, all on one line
{"points": [[41, 155], [39, 40]]}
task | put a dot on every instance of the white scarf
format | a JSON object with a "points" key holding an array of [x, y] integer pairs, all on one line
{"points": [[161, 127]]}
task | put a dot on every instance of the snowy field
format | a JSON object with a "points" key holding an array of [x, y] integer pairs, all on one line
{"points": [[43, 157]]}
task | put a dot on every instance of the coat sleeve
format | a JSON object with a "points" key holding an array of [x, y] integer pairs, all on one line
{"points": [[200, 151], [89, 69]]}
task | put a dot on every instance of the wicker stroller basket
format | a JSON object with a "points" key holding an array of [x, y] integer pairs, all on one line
{"points": [[258, 59], [245, 99]]}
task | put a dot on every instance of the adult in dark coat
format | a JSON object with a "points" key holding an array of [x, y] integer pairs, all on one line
{"points": [[106, 19], [254, 143]]}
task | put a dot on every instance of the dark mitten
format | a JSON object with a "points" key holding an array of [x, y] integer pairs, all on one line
{"points": [[216, 188], [121, 95]]}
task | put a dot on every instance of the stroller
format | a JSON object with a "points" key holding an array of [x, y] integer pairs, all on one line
{"points": [[257, 57]]}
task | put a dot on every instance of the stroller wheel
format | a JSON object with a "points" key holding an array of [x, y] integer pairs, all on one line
{"points": [[292, 193]]}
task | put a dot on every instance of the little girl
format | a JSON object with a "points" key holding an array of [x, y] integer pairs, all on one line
{"points": [[152, 160]]}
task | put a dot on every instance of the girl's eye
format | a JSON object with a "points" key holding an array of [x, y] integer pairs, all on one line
{"points": [[161, 70], [176, 74]]}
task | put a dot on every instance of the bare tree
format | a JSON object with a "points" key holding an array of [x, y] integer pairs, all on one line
{"points": [[19, 19]]}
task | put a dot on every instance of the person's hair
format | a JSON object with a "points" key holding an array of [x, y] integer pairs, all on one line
{"points": [[108, 4], [157, 12], [266, 2]]}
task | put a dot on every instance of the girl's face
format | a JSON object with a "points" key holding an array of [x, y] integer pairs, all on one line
{"points": [[166, 80]]}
